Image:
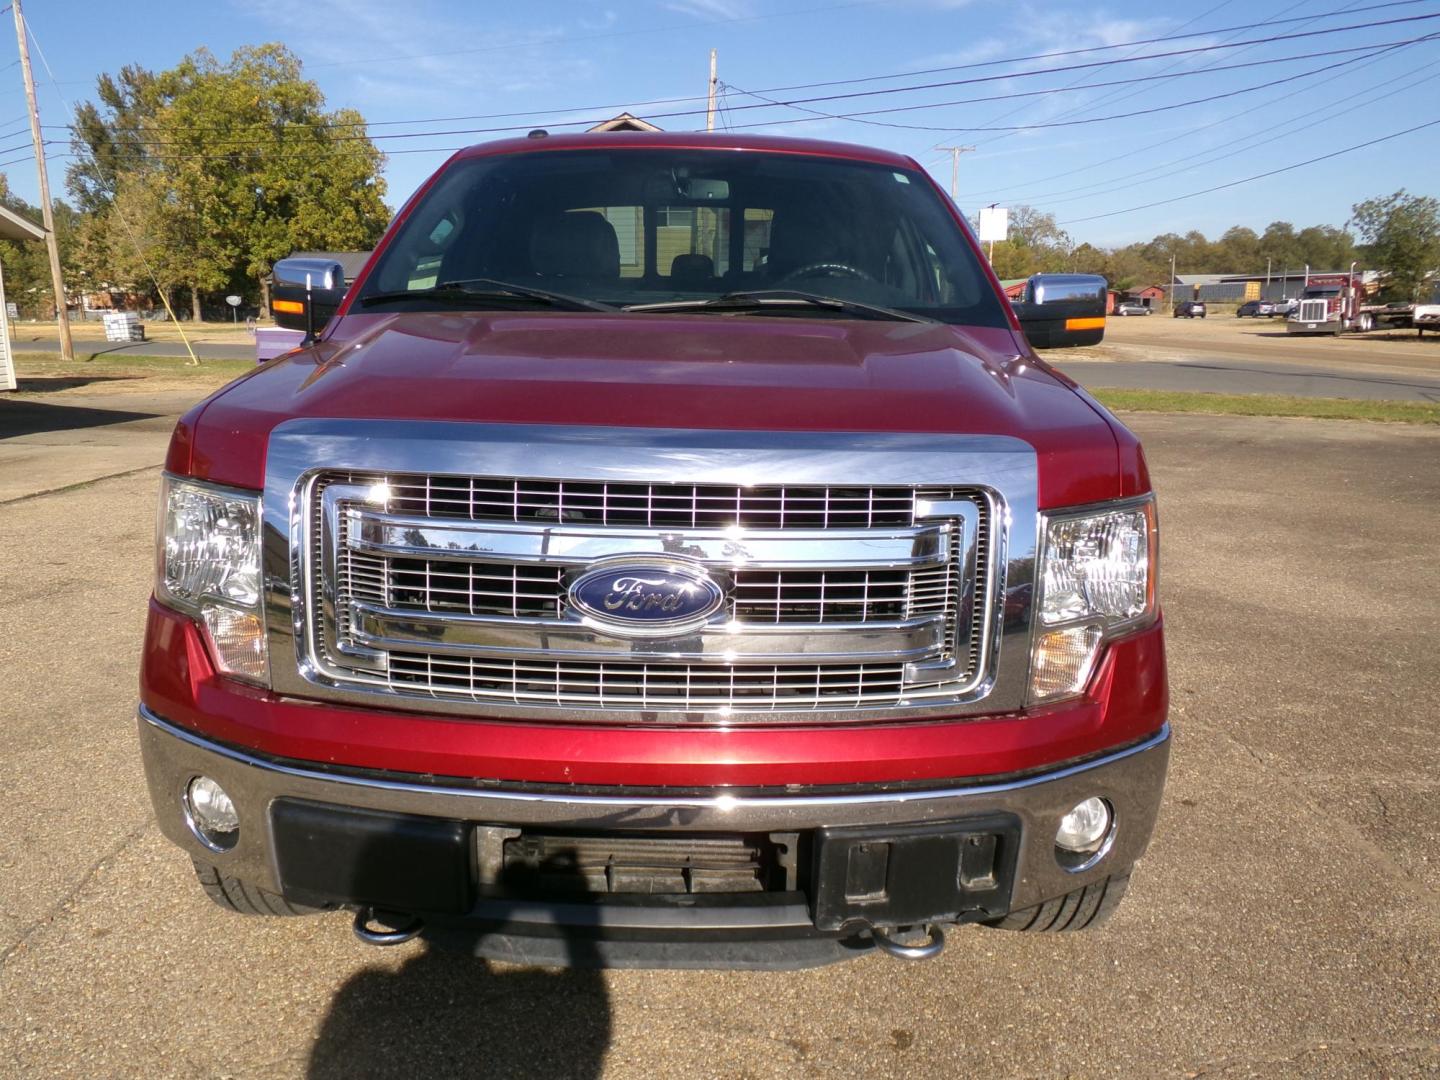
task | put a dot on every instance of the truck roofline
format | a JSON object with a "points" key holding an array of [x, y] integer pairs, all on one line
{"points": [[690, 140]]}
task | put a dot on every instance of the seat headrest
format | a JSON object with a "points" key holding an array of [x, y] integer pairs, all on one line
{"points": [[575, 243], [688, 269]]}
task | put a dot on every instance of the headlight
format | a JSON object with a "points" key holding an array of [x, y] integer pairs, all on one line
{"points": [[1096, 575], [208, 566]]}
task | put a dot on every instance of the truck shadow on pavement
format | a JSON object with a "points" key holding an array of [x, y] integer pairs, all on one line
{"points": [[445, 1014], [449, 1013]]}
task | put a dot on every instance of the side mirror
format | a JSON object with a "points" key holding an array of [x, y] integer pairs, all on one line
{"points": [[1058, 311], [305, 293]]}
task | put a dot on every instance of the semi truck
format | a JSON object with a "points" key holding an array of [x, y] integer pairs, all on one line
{"points": [[1331, 304]]}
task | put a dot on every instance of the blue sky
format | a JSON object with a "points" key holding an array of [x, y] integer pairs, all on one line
{"points": [[404, 66]]}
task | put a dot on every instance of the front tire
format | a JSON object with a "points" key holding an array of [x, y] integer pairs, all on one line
{"points": [[238, 896], [1083, 909]]}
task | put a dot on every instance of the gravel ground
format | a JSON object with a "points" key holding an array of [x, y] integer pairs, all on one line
{"points": [[1286, 921]]}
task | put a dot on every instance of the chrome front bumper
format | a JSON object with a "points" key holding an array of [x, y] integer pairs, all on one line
{"points": [[1132, 780]]}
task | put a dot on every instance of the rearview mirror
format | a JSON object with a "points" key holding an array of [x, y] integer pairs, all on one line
{"points": [[1057, 311], [305, 293]]}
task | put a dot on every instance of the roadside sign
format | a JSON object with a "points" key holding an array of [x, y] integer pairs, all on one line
{"points": [[994, 224]]}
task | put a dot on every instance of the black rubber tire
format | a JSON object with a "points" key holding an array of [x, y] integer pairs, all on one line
{"points": [[232, 894], [1083, 909]]}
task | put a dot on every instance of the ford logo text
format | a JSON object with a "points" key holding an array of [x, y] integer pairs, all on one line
{"points": [[646, 598]]}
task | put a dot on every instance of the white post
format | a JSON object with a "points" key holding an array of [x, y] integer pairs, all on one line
{"points": [[7, 360]]}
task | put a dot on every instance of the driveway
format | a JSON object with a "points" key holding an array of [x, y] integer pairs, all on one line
{"points": [[1286, 921]]}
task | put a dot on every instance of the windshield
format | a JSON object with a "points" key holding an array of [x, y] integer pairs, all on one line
{"points": [[637, 227]]}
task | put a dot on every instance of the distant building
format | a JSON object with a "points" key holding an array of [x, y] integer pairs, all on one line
{"points": [[625, 122], [1281, 285]]}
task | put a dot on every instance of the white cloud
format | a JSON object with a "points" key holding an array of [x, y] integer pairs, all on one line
{"points": [[712, 10], [361, 48]]}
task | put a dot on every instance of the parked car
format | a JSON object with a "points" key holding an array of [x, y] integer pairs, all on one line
{"points": [[1190, 309], [597, 599], [1131, 307], [1284, 307], [1252, 309]]}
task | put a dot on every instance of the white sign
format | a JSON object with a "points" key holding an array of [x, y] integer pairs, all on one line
{"points": [[234, 301], [994, 224]]}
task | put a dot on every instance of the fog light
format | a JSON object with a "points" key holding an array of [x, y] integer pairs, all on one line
{"points": [[1085, 827], [211, 814]]}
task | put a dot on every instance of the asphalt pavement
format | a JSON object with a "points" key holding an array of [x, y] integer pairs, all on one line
{"points": [[1286, 921], [1226, 355], [1218, 374]]}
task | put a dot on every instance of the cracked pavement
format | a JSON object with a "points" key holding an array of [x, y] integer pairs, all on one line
{"points": [[1286, 921]]}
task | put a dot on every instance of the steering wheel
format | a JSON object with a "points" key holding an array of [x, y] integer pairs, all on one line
{"points": [[828, 269]]}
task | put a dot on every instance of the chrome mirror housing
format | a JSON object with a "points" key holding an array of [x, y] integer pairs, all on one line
{"points": [[1063, 310]]}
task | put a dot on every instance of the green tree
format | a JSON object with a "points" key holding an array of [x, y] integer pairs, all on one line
{"points": [[1401, 233], [213, 170]]}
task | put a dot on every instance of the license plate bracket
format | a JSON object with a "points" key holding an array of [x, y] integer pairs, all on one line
{"points": [[906, 875]]}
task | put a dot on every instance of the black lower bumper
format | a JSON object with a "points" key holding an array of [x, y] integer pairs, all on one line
{"points": [[633, 879], [804, 898]]}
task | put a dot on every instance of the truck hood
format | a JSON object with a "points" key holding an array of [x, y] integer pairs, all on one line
{"points": [[673, 371]]}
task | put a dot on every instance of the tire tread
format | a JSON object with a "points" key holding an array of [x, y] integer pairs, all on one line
{"points": [[1086, 908], [235, 895]]}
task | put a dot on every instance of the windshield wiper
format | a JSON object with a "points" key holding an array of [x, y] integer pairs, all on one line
{"points": [[761, 299], [489, 291]]}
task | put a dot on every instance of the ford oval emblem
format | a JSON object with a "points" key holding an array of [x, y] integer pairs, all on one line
{"points": [[639, 597]]}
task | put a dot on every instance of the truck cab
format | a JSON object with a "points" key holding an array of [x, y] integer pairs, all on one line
{"points": [[669, 551]]}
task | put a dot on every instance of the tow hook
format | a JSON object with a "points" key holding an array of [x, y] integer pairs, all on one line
{"points": [[931, 947], [373, 936]]}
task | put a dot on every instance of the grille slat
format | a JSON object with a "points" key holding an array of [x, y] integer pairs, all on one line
{"points": [[756, 597], [690, 506]]}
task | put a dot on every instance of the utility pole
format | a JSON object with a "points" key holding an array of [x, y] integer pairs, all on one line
{"points": [[1172, 282], [47, 212], [955, 152], [710, 102]]}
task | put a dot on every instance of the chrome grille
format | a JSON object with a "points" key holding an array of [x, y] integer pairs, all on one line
{"points": [[1313, 311], [683, 506], [617, 685], [437, 589]]}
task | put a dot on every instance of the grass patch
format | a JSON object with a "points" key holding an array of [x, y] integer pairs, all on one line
{"points": [[47, 364], [1403, 412]]}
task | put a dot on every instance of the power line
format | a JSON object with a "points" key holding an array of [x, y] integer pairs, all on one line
{"points": [[1231, 149], [1334, 71], [1079, 81], [1062, 53], [538, 117], [1257, 176], [1249, 142], [859, 116], [862, 115]]}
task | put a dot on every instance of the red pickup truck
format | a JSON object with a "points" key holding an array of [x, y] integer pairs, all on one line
{"points": [[669, 551]]}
